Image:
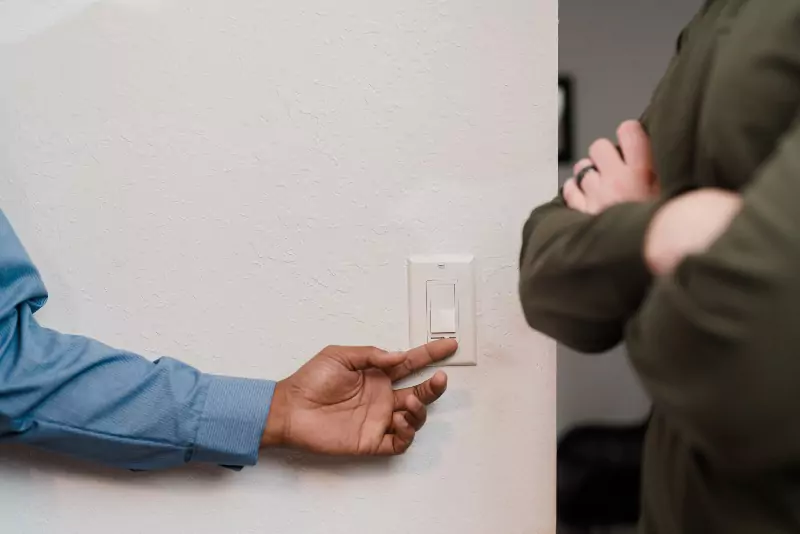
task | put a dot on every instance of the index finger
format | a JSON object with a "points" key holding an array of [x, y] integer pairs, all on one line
{"points": [[422, 356], [362, 358], [606, 157], [635, 145]]}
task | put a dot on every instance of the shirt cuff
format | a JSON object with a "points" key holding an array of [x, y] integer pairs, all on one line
{"points": [[233, 420]]}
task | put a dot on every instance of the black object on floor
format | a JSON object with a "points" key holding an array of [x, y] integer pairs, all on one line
{"points": [[599, 473]]}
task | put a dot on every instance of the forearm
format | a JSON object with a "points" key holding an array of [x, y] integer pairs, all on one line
{"points": [[76, 396], [582, 276]]}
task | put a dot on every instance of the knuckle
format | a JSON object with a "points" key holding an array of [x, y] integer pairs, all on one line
{"points": [[590, 181], [630, 124], [578, 167], [422, 392], [599, 144], [601, 147]]}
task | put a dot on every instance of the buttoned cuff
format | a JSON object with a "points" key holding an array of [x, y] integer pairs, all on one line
{"points": [[233, 420]]}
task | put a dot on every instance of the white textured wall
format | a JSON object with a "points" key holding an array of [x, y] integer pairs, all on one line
{"points": [[616, 51], [237, 183]]}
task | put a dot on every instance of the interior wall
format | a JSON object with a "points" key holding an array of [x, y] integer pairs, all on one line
{"points": [[238, 184], [616, 51]]}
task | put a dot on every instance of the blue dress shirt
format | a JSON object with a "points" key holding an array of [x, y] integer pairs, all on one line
{"points": [[76, 396]]}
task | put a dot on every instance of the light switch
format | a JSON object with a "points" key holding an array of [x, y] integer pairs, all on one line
{"points": [[441, 304], [442, 308]]}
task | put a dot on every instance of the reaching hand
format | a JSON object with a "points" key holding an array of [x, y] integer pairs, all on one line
{"points": [[688, 224], [614, 177], [342, 402]]}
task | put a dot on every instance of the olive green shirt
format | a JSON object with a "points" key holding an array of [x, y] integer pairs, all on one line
{"points": [[716, 344]]}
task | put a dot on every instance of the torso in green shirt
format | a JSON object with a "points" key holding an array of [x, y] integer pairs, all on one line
{"points": [[717, 344], [731, 92]]}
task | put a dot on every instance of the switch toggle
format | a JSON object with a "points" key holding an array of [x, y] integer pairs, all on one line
{"points": [[442, 309], [441, 304]]}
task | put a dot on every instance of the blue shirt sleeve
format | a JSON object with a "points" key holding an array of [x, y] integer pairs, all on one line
{"points": [[74, 395]]}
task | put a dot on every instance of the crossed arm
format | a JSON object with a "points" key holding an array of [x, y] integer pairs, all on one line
{"points": [[582, 274], [715, 336]]}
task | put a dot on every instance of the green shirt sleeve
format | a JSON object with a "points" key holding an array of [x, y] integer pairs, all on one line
{"points": [[717, 343], [582, 276]]}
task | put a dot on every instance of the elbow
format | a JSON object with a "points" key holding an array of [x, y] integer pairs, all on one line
{"points": [[534, 313], [531, 299], [579, 334]]}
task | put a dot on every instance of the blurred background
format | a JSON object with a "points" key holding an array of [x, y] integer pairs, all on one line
{"points": [[614, 52]]}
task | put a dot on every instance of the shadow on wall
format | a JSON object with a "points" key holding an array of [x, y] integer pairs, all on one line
{"points": [[21, 460], [25, 19]]}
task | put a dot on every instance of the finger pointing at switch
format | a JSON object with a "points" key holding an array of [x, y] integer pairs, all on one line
{"points": [[342, 402]]}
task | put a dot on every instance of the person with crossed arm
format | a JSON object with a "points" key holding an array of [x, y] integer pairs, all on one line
{"points": [[685, 244]]}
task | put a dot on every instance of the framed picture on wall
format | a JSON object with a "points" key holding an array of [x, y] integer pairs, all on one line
{"points": [[566, 139]]}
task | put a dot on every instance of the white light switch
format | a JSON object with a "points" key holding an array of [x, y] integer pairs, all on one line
{"points": [[442, 304], [442, 307]]}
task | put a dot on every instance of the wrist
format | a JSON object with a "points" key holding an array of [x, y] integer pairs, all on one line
{"points": [[275, 431], [687, 225], [657, 256]]}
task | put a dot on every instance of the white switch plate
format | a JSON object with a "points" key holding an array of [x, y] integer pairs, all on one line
{"points": [[455, 269]]}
